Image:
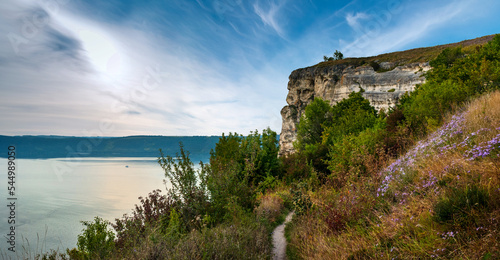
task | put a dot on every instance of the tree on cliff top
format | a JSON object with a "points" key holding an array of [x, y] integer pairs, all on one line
{"points": [[336, 56]]}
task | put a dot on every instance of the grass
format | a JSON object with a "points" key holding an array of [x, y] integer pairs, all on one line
{"points": [[408, 56], [440, 200]]}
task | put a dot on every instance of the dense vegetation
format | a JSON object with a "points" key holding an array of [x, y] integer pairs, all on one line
{"points": [[419, 181], [388, 195]]}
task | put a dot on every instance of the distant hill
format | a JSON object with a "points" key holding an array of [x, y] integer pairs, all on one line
{"points": [[41, 147]]}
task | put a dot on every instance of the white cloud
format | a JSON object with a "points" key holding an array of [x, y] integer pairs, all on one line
{"points": [[269, 17], [374, 37], [354, 20]]}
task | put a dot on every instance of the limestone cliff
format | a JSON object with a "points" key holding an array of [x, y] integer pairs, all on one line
{"points": [[336, 82], [385, 78]]}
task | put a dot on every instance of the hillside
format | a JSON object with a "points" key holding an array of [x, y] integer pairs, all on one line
{"points": [[418, 55], [440, 200], [384, 79], [420, 181]]}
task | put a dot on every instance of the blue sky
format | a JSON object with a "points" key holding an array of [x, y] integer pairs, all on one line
{"points": [[199, 67]]}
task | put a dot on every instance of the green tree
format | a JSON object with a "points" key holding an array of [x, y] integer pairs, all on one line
{"points": [[238, 165], [317, 116], [338, 55], [457, 75], [187, 188], [349, 116]]}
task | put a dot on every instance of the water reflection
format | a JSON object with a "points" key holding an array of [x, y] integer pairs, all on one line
{"points": [[53, 205]]}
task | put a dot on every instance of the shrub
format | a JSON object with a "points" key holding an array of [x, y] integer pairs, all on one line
{"points": [[238, 165], [301, 200], [295, 167], [188, 188], [357, 155], [131, 229], [95, 241]]}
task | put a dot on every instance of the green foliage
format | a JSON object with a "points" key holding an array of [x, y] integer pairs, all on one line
{"points": [[295, 167], [447, 57], [175, 229], [96, 241], [301, 200], [317, 116], [225, 183], [356, 154], [349, 116], [269, 183], [187, 189], [456, 77], [130, 230], [338, 55], [322, 128], [237, 167]]}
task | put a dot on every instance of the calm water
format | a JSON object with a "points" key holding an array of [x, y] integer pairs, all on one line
{"points": [[51, 205]]}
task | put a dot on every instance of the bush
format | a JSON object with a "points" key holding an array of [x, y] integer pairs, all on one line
{"points": [[357, 155], [301, 200], [95, 241], [152, 210], [188, 188], [239, 166], [295, 167]]}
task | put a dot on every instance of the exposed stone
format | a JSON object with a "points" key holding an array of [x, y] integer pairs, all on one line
{"points": [[336, 82]]}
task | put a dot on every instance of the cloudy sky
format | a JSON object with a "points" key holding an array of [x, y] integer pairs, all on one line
{"points": [[194, 67]]}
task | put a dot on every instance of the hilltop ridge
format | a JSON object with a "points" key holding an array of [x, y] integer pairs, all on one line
{"points": [[384, 79]]}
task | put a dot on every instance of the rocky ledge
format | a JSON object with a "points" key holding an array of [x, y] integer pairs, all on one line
{"points": [[335, 82]]}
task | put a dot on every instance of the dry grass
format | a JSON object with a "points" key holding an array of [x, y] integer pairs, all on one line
{"points": [[409, 56], [270, 207], [404, 224]]}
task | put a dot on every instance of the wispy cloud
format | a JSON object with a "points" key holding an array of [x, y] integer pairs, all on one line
{"points": [[182, 67], [269, 16], [354, 20], [394, 29]]}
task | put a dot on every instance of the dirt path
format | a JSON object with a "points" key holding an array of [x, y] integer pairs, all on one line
{"points": [[279, 241]]}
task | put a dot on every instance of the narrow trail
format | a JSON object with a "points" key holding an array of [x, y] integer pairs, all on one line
{"points": [[279, 240]]}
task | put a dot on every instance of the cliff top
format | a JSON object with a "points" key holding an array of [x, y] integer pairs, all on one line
{"points": [[424, 54]]}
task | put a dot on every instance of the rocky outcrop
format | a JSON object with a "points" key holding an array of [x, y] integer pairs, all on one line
{"points": [[336, 82]]}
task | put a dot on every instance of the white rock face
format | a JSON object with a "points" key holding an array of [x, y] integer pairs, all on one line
{"points": [[334, 83]]}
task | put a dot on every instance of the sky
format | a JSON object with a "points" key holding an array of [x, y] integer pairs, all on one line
{"points": [[194, 67]]}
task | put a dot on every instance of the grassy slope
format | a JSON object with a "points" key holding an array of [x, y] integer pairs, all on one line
{"points": [[439, 200], [408, 56]]}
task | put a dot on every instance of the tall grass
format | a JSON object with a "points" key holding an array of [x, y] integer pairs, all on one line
{"points": [[439, 200]]}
